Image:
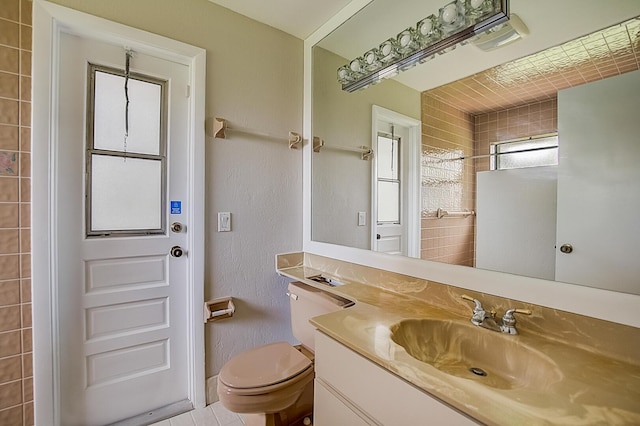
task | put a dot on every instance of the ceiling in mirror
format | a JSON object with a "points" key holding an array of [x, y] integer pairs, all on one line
{"points": [[549, 23], [606, 53]]}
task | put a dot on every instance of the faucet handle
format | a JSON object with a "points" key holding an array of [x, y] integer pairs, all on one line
{"points": [[479, 313], [509, 321], [509, 314], [476, 301]]}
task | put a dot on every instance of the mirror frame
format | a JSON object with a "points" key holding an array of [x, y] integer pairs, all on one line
{"points": [[608, 305]]}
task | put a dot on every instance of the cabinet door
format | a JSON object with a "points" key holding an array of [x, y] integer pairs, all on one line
{"points": [[375, 392], [330, 410], [599, 183]]}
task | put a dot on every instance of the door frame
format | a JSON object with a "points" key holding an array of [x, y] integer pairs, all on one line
{"points": [[411, 191], [49, 22]]}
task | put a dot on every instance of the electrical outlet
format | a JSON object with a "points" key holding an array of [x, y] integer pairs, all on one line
{"points": [[362, 218], [224, 221]]}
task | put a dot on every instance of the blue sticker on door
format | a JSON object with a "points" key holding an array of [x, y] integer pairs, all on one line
{"points": [[176, 207]]}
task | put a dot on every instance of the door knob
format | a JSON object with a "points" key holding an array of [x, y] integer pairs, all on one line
{"points": [[566, 248], [377, 236], [176, 227], [176, 251]]}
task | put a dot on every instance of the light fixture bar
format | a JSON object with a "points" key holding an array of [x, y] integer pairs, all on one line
{"points": [[500, 15]]}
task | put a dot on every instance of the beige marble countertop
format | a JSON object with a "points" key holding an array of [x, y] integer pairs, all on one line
{"points": [[587, 388]]}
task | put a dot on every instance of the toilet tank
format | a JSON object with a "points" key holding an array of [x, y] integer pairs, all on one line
{"points": [[308, 302]]}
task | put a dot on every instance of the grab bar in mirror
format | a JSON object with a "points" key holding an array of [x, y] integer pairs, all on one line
{"points": [[366, 153]]}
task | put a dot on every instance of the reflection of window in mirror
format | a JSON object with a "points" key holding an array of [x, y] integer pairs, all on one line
{"points": [[389, 185], [531, 152]]}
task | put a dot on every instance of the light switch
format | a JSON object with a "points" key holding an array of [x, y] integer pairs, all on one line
{"points": [[224, 221], [362, 218]]}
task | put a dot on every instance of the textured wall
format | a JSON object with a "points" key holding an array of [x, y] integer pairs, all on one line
{"points": [[254, 80]]}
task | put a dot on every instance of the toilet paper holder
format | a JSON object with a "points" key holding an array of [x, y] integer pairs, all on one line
{"points": [[218, 309]]}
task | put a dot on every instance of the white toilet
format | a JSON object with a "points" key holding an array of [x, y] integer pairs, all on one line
{"points": [[273, 384]]}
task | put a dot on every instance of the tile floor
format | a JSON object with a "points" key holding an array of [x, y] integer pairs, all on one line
{"points": [[211, 415]]}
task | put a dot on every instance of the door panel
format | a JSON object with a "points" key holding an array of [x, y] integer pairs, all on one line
{"points": [[122, 299], [599, 182]]}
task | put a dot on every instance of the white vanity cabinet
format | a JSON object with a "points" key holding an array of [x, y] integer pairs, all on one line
{"points": [[351, 390]]}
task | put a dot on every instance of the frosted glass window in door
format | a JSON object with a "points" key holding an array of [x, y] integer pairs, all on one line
{"points": [[125, 194], [388, 172], [126, 176], [145, 109], [388, 202], [387, 158]]}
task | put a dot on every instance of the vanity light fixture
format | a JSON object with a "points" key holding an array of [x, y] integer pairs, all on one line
{"points": [[455, 23]]}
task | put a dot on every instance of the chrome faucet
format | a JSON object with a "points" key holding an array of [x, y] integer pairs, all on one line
{"points": [[487, 320]]}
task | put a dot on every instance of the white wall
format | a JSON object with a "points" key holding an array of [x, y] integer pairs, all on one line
{"points": [[254, 80]]}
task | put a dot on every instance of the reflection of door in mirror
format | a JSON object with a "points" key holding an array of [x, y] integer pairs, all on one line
{"points": [[599, 183], [395, 183]]}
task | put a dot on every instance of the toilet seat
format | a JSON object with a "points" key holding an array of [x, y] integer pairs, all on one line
{"points": [[264, 367]]}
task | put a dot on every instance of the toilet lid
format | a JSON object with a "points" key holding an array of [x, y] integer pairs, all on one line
{"points": [[264, 366]]}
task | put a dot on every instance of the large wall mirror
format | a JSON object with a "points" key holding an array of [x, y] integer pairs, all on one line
{"points": [[440, 185]]}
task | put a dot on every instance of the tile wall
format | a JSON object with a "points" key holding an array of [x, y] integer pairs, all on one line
{"points": [[16, 372], [533, 119], [447, 133]]}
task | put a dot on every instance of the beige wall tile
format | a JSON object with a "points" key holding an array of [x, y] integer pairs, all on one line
{"points": [[9, 33], [25, 215], [25, 266], [27, 340], [25, 190], [25, 139], [10, 9], [10, 394], [10, 318], [28, 412], [9, 59], [27, 364], [9, 85], [9, 165], [25, 37], [10, 369], [26, 11], [25, 240], [25, 290], [25, 164], [25, 88], [27, 389], [9, 137], [26, 316], [9, 241], [25, 113], [25, 62], [11, 416], [10, 344], [9, 292], [9, 215], [9, 267], [9, 111]]}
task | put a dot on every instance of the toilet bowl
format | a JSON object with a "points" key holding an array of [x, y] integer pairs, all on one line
{"points": [[273, 384]]}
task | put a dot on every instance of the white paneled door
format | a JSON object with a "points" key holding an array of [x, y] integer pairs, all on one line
{"points": [[122, 290]]}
